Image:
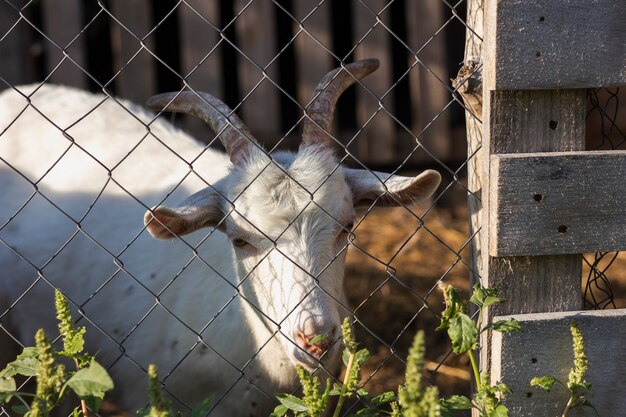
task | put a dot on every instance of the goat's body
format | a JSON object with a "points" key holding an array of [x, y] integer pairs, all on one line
{"points": [[110, 267]]}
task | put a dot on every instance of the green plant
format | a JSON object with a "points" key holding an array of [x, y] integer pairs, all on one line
{"points": [[412, 401], [576, 384], [90, 381], [160, 406], [464, 333]]}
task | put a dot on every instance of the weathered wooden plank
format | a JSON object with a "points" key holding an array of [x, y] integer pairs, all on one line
{"points": [[14, 62], [557, 44], [376, 143], [137, 81], [470, 87], [519, 121], [557, 203], [313, 59], [429, 78], [201, 61], [62, 23], [545, 348], [255, 33]]}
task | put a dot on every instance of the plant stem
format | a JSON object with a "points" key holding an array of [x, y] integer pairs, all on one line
{"points": [[567, 407], [83, 403], [475, 369], [342, 396]]}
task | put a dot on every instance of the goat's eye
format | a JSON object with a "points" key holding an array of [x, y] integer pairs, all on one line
{"points": [[346, 228], [239, 242]]}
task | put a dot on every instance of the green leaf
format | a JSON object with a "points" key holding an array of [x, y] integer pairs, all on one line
{"points": [[345, 357], [463, 334], [505, 326], [362, 393], [336, 390], [24, 364], [292, 402], [484, 297], [446, 412], [20, 408], [92, 381], [457, 402], [545, 382], [453, 307], [500, 411], [384, 398], [7, 385], [93, 402], [75, 343], [366, 412], [7, 389], [318, 338], [490, 300], [361, 356], [279, 411], [202, 408]]}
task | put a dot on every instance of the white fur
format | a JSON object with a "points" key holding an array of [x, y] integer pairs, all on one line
{"points": [[291, 209]]}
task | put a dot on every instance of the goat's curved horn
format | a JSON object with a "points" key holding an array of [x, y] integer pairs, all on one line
{"points": [[320, 111], [235, 136]]}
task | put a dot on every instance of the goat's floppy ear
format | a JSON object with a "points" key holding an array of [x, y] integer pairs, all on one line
{"points": [[201, 209], [367, 188]]}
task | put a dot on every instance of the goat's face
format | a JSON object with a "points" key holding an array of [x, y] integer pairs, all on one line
{"points": [[289, 218], [290, 229]]}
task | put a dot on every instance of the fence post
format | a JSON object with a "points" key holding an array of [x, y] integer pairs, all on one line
{"points": [[513, 122]]}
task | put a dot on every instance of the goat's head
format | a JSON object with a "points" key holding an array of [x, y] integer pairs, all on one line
{"points": [[288, 215]]}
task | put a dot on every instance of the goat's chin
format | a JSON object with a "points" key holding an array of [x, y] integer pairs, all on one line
{"points": [[329, 361]]}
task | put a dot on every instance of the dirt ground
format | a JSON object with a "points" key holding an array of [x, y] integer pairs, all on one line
{"points": [[392, 277]]}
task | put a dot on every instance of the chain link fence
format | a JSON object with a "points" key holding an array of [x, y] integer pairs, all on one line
{"points": [[605, 131], [263, 59]]}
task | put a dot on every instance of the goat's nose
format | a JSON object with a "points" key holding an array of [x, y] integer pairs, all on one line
{"points": [[315, 342]]}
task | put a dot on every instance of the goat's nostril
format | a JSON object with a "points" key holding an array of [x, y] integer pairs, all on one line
{"points": [[316, 345]]}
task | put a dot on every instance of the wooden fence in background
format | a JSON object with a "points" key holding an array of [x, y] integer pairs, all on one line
{"points": [[543, 200], [233, 49]]}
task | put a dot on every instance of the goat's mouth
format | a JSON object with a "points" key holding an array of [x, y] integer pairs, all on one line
{"points": [[307, 362]]}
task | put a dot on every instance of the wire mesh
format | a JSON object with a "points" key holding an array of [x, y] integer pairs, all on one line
{"points": [[604, 132], [407, 119]]}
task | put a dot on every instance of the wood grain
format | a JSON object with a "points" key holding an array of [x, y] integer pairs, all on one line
{"points": [[373, 42], [545, 348], [429, 79], [63, 23], [519, 121], [255, 33], [201, 61], [557, 203], [137, 81], [557, 44]]}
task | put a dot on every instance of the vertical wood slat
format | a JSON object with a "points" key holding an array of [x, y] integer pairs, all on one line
{"points": [[376, 143], [312, 60], [14, 62], [137, 81], [198, 39], [255, 28], [429, 95], [519, 121], [62, 23]]}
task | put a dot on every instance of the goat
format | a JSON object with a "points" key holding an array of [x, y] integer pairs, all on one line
{"points": [[228, 312]]}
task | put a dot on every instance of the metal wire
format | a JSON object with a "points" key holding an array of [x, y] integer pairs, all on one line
{"points": [[605, 134], [423, 300]]}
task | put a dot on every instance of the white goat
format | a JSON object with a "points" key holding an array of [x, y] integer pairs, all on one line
{"points": [[236, 306]]}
